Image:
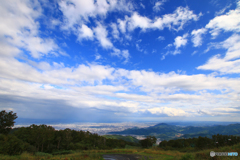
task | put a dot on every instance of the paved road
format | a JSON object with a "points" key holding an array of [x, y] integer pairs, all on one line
{"points": [[122, 157]]}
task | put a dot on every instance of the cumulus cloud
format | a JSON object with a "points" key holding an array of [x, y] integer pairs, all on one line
{"points": [[84, 86], [122, 24], [151, 81], [20, 29], [101, 34], [230, 63], [56, 74], [78, 11], [174, 21], [180, 40], [138, 21], [197, 36], [85, 32], [168, 111], [227, 22], [102, 88]]}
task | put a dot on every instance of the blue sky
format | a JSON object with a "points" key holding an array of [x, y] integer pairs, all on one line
{"points": [[68, 61]]}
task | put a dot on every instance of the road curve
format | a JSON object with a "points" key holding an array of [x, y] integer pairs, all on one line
{"points": [[121, 157]]}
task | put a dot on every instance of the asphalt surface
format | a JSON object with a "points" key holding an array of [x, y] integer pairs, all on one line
{"points": [[122, 157]]}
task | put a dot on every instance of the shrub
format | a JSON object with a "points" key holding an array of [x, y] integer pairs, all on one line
{"points": [[11, 145]]}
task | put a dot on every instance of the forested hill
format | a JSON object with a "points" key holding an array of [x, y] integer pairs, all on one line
{"points": [[166, 131], [125, 138], [45, 138]]}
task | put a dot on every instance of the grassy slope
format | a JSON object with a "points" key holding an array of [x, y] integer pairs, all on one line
{"points": [[153, 154]]}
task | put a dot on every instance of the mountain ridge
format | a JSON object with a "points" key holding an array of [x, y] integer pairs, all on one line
{"points": [[167, 131]]}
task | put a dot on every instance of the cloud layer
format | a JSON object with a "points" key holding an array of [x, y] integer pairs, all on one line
{"points": [[84, 58]]}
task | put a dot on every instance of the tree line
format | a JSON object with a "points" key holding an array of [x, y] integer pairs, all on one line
{"points": [[201, 142], [45, 138]]}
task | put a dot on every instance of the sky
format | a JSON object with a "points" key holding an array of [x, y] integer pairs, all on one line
{"points": [[103, 61]]}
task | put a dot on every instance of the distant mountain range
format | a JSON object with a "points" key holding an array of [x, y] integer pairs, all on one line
{"points": [[167, 131]]}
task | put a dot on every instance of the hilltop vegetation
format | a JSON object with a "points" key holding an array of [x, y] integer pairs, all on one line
{"points": [[44, 142], [45, 138], [125, 138]]}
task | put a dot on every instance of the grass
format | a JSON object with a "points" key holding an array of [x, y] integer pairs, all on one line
{"points": [[151, 154]]}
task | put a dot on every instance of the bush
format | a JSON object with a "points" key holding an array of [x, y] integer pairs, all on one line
{"points": [[11, 145]]}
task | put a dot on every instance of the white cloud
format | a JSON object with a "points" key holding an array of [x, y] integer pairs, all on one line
{"points": [[122, 24], [161, 38], [98, 56], [175, 52], [41, 65], [158, 5], [57, 74], [85, 32], [227, 22], [194, 53], [101, 35], [168, 46], [174, 21], [180, 40], [151, 81], [83, 86], [216, 63], [122, 54], [168, 111], [105, 87], [78, 11], [230, 63], [54, 23], [138, 48], [39, 47], [126, 55], [139, 21], [20, 29], [115, 32], [7, 50], [223, 10], [142, 5], [75, 10], [197, 36]]}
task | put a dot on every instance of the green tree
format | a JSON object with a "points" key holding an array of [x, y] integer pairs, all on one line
{"points": [[6, 121], [11, 145], [148, 142], [163, 143]]}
